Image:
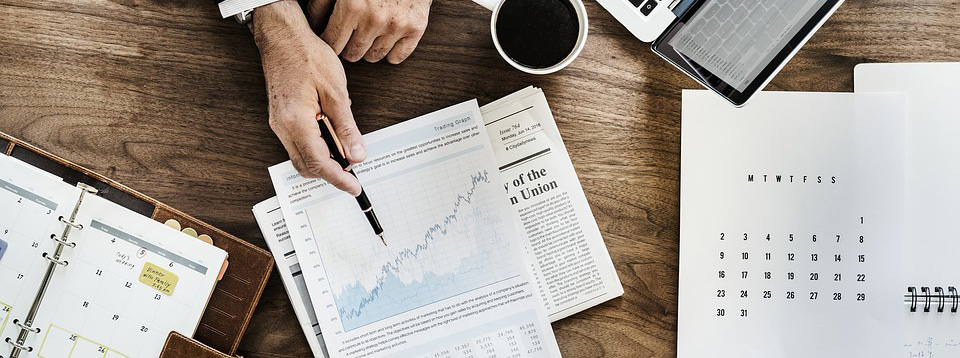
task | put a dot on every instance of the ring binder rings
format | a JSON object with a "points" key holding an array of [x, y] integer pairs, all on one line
{"points": [[62, 241], [232, 304], [55, 261], [27, 326], [23, 326], [19, 347], [942, 300]]}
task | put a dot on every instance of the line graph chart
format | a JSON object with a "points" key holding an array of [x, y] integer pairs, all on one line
{"points": [[442, 241]]}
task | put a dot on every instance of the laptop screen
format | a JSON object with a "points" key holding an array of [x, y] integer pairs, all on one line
{"points": [[734, 45]]}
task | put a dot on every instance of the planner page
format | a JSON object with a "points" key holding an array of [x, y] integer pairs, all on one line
{"points": [[791, 225], [30, 204], [129, 282], [451, 280], [933, 126]]}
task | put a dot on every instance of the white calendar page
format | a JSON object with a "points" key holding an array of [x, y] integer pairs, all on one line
{"points": [[791, 225], [101, 306], [30, 203]]}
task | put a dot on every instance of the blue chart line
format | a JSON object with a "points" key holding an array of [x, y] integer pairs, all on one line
{"points": [[358, 305]]}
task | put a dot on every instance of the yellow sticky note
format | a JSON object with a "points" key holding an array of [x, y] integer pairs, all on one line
{"points": [[158, 278]]}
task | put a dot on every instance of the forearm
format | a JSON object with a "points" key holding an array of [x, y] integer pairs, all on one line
{"points": [[302, 73], [277, 22]]}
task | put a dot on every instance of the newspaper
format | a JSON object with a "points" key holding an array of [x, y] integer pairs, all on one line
{"points": [[569, 259]]}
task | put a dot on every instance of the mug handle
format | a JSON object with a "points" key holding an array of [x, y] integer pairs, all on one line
{"points": [[489, 4]]}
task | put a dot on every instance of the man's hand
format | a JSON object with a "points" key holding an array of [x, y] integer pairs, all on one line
{"points": [[304, 77], [371, 29]]}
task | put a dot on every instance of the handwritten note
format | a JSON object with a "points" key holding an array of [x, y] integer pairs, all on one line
{"points": [[158, 278], [932, 347]]}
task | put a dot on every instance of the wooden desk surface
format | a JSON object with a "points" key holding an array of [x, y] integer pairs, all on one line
{"points": [[169, 99]]}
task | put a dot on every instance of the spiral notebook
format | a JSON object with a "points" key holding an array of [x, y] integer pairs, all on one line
{"points": [[930, 278], [82, 276], [821, 224]]}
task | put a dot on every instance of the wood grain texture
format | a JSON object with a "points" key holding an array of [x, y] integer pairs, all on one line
{"points": [[168, 99]]}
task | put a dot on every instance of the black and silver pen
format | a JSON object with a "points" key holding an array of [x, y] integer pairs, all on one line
{"points": [[336, 153]]}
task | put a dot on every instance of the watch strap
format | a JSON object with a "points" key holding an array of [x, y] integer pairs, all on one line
{"points": [[230, 8]]}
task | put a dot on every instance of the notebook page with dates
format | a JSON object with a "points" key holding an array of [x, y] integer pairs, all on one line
{"points": [[130, 281], [30, 203], [791, 225], [121, 281]]}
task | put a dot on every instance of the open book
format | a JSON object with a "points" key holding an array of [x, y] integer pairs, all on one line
{"points": [[82, 276], [567, 258]]}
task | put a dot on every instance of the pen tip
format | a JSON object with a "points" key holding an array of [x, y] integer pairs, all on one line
{"points": [[382, 240]]}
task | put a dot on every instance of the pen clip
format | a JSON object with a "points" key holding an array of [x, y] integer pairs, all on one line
{"points": [[333, 135]]}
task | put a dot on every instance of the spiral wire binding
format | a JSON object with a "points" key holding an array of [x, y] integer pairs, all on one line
{"points": [[941, 297]]}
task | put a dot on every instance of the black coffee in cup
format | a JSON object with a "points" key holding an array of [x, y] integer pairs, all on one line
{"points": [[537, 33]]}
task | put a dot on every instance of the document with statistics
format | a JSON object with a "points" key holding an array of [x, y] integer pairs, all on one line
{"points": [[275, 233], [568, 257], [452, 280], [791, 225]]}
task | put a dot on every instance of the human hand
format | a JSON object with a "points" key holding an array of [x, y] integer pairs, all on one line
{"points": [[304, 77], [371, 29]]}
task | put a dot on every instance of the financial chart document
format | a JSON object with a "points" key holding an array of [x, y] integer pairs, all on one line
{"points": [[275, 233], [451, 281]]}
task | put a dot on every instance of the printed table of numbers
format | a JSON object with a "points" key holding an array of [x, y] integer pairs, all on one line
{"points": [[511, 342], [753, 269], [832, 279], [503, 338]]}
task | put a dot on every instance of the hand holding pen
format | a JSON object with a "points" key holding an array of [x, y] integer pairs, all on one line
{"points": [[337, 154]]}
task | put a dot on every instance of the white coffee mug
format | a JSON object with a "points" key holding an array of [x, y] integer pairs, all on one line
{"points": [[496, 5]]}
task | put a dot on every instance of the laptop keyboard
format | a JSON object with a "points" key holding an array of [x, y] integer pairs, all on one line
{"points": [[731, 38], [645, 6]]}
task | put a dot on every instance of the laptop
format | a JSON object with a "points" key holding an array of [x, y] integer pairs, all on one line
{"points": [[732, 47]]}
